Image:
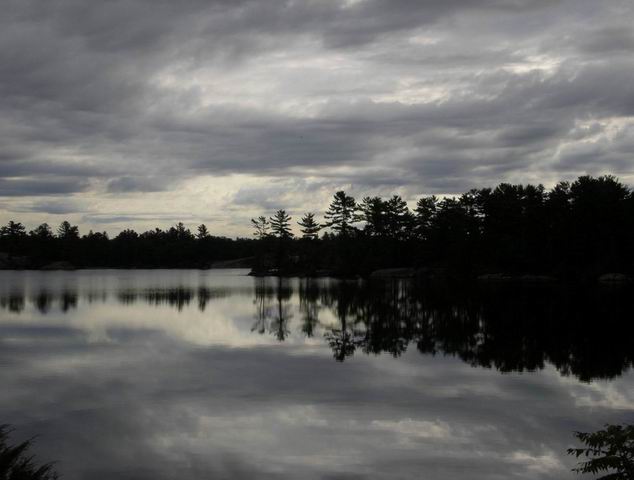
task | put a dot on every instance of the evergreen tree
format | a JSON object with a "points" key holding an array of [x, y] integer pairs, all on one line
{"points": [[262, 227], [341, 213], [66, 231], [425, 216], [398, 219], [202, 231], [42, 231], [281, 224], [13, 230], [310, 228], [373, 212], [181, 232], [127, 235]]}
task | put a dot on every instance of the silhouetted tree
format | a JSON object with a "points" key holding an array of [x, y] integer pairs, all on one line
{"points": [[341, 213], [281, 224], [42, 231], [13, 235], [373, 211], [13, 230], [180, 232], [261, 226], [425, 216], [611, 451], [17, 463], [398, 219], [66, 231], [127, 235], [202, 231], [309, 227]]}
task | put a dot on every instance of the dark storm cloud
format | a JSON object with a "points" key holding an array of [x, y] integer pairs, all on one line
{"points": [[53, 186], [136, 184], [123, 97], [52, 206]]}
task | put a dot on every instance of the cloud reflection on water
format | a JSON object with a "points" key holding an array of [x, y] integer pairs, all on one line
{"points": [[146, 389]]}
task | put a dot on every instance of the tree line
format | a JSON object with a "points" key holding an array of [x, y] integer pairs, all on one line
{"points": [[585, 227], [574, 230], [176, 247]]}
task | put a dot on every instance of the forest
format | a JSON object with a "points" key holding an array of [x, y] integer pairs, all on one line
{"points": [[578, 229], [575, 230]]}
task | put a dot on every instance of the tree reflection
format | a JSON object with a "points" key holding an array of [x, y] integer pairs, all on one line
{"points": [[582, 332], [309, 305], [271, 318]]}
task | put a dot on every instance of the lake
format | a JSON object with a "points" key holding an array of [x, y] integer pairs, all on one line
{"points": [[188, 374]]}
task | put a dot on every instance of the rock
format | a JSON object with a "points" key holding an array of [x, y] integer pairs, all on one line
{"points": [[61, 265], [394, 273], [614, 278]]}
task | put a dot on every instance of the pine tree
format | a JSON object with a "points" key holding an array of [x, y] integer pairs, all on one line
{"points": [[203, 232], [262, 227], [341, 213], [373, 214], [398, 219], [42, 231], [281, 224], [13, 230], [67, 231], [426, 212], [310, 228]]}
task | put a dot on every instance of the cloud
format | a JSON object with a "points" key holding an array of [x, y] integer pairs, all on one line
{"points": [[10, 187], [149, 97], [136, 184], [54, 207]]}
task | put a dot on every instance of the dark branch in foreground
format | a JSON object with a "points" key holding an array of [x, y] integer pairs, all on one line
{"points": [[16, 462]]}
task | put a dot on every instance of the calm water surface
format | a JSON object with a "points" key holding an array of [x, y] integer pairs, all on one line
{"points": [[213, 374]]}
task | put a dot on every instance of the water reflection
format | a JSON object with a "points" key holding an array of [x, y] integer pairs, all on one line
{"points": [[191, 374], [586, 333]]}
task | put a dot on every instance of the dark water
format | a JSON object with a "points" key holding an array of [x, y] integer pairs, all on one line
{"points": [[213, 374]]}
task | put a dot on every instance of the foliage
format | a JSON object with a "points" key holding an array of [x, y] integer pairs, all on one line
{"points": [[610, 450], [203, 232], [309, 226], [13, 229], [261, 226], [281, 224], [175, 247], [66, 231], [16, 463], [341, 213]]}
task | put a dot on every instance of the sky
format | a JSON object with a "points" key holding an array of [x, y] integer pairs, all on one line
{"points": [[143, 113]]}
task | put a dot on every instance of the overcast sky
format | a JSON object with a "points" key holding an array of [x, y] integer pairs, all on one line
{"points": [[143, 113]]}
